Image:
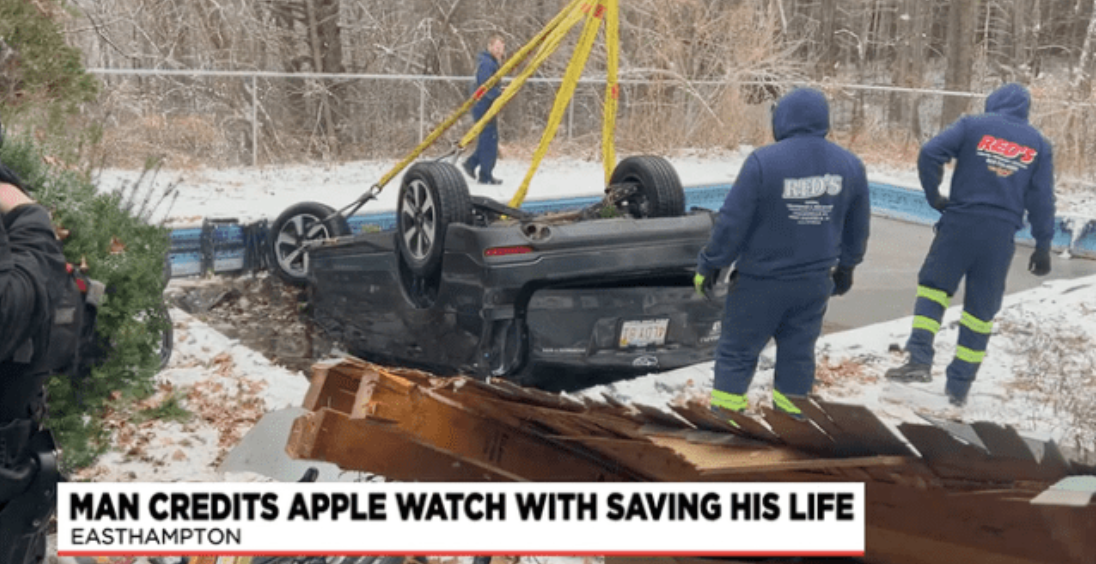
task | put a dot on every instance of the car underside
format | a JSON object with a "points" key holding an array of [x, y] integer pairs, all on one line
{"points": [[466, 285]]}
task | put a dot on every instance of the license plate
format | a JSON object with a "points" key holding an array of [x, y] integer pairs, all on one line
{"points": [[643, 333]]}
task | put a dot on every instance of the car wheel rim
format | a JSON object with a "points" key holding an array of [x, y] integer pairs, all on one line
{"points": [[418, 220], [289, 245]]}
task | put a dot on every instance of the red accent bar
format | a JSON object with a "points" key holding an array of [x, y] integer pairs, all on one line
{"points": [[770, 554], [615, 91], [69, 268], [506, 251], [600, 10], [82, 286], [479, 93]]}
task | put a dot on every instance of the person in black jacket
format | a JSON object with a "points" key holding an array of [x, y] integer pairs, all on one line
{"points": [[487, 145], [30, 256], [794, 224]]}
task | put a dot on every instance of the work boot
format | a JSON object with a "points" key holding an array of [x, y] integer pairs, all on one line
{"points": [[910, 372], [955, 400], [469, 170], [494, 181]]}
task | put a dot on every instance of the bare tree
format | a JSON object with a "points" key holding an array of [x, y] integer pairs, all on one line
{"points": [[960, 57]]}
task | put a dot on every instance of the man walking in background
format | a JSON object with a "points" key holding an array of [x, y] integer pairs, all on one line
{"points": [[795, 224], [1003, 166], [487, 146]]}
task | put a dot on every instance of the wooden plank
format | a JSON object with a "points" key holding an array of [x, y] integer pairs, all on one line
{"points": [[747, 426], [1052, 462], [645, 458], [872, 436], [908, 525], [802, 435], [331, 387], [819, 417], [704, 419], [959, 430], [361, 446], [654, 415], [435, 420], [1002, 442], [708, 457], [817, 464], [951, 458]]}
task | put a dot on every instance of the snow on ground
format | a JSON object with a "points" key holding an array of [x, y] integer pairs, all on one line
{"points": [[227, 387], [1038, 376]]}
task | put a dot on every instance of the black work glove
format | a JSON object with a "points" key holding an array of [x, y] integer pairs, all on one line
{"points": [[842, 280], [940, 203], [1039, 264]]}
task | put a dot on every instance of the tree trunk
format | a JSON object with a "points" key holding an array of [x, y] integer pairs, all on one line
{"points": [[1086, 62], [316, 42], [960, 41], [917, 12], [828, 59]]}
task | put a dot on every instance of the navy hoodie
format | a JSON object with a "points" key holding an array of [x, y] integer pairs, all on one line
{"points": [[1003, 165], [486, 67], [799, 206]]}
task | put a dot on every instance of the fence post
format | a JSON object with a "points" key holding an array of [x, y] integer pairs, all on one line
{"points": [[254, 120], [571, 118], [422, 110]]}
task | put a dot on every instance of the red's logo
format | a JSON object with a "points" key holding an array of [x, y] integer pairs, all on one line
{"points": [[1007, 149]]}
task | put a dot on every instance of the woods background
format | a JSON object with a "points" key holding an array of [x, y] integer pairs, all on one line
{"points": [[705, 73]]}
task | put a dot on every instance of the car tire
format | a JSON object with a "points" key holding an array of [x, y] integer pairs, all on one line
{"points": [[297, 224], [433, 195], [659, 192]]}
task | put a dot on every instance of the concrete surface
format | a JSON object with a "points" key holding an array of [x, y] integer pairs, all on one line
{"points": [[885, 284]]}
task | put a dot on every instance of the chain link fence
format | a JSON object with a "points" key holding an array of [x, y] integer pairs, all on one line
{"points": [[239, 117]]}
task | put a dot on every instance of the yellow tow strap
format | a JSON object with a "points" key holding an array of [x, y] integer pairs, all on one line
{"points": [[505, 69], [563, 96]]}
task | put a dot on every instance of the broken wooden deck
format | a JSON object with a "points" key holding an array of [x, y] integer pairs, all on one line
{"points": [[938, 492]]}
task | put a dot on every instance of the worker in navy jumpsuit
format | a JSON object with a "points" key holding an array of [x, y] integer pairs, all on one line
{"points": [[1003, 166], [487, 144], [795, 224]]}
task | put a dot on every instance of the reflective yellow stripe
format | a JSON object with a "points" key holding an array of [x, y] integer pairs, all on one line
{"points": [[976, 325], [938, 296], [733, 402], [781, 401], [922, 322], [968, 355]]}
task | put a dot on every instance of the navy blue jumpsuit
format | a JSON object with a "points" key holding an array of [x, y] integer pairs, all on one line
{"points": [[798, 208], [1003, 166], [487, 145]]}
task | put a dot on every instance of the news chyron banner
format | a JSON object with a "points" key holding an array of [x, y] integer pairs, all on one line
{"points": [[461, 519]]}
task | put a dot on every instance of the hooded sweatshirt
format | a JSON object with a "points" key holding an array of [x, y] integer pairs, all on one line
{"points": [[1003, 165], [486, 67], [799, 206]]}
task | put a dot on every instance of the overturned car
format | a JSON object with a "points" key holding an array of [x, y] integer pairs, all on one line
{"points": [[468, 285]]}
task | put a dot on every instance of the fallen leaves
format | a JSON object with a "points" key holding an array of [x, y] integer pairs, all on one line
{"points": [[829, 373]]}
